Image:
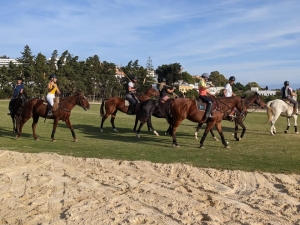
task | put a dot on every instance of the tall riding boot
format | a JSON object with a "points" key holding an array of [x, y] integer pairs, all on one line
{"points": [[129, 110], [207, 111], [49, 111]]}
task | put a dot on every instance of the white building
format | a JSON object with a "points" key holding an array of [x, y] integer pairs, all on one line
{"points": [[5, 62], [263, 92]]}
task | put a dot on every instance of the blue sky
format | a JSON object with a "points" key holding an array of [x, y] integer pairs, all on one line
{"points": [[253, 40]]}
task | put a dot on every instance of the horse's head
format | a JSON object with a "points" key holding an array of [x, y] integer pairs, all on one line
{"points": [[82, 101], [152, 92], [259, 101]]}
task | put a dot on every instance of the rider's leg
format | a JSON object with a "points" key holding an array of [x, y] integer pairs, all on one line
{"points": [[208, 110]]}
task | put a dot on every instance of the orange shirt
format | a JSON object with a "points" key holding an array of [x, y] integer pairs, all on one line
{"points": [[202, 87]]}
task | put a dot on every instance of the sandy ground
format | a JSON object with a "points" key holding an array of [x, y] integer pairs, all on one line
{"points": [[54, 189]]}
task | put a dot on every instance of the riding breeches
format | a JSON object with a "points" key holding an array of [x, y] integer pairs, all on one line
{"points": [[131, 99], [293, 101], [50, 98]]}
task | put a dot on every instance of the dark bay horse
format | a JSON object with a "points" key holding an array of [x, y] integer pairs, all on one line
{"points": [[112, 105], [148, 108], [182, 108], [35, 108], [239, 118], [17, 109]]}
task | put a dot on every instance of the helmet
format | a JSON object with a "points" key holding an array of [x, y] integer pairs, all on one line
{"points": [[163, 79], [232, 78], [133, 78], [20, 78], [205, 75], [286, 83], [52, 76]]}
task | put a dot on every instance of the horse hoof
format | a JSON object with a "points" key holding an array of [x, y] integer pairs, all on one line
{"points": [[216, 139], [176, 146], [285, 131], [227, 146], [196, 138], [137, 135], [297, 132], [115, 130], [53, 140], [101, 130], [75, 140], [202, 146]]}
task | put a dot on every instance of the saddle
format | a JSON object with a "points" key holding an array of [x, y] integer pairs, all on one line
{"points": [[287, 102], [55, 105]]}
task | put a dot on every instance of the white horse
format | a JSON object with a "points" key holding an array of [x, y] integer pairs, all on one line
{"points": [[278, 108]]}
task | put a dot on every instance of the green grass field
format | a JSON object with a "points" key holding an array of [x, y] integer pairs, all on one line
{"points": [[257, 151]]}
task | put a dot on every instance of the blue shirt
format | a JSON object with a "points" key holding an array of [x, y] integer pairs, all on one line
{"points": [[17, 89]]}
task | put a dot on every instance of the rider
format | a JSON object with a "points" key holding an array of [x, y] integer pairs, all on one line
{"points": [[229, 93], [287, 93], [164, 90], [203, 91], [17, 89], [52, 89], [130, 95]]}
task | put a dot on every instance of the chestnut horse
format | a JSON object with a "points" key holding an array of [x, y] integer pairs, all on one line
{"points": [[17, 109], [35, 108], [183, 108], [112, 105], [239, 118]]}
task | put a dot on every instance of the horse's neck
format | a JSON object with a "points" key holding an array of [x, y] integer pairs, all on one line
{"points": [[69, 101]]}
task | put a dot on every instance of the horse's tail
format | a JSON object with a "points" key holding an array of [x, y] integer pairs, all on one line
{"points": [[102, 107], [269, 110]]}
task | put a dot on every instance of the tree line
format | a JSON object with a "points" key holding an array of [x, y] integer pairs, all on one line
{"points": [[95, 78]]}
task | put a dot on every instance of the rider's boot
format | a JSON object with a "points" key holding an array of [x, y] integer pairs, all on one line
{"points": [[49, 111], [295, 111], [207, 111], [129, 110]]}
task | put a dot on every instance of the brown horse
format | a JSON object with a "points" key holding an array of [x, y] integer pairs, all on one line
{"points": [[239, 118], [112, 105], [35, 108], [182, 108], [17, 109]]}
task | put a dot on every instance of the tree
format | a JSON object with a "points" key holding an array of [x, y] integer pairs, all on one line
{"points": [[171, 72]]}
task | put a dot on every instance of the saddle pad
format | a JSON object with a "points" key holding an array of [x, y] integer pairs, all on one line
{"points": [[127, 103], [200, 105]]}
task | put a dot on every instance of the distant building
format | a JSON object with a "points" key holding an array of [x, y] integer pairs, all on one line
{"points": [[263, 92], [5, 62]]}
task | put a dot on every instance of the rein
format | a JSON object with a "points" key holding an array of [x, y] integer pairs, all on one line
{"points": [[218, 100]]}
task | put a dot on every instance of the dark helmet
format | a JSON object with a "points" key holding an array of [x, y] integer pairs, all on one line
{"points": [[133, 78], [20, 78], [52, 76], [163, 79], [205, 75], [232, 78], [286, 83]]}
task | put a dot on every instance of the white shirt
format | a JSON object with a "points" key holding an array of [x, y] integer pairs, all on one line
{"points": [[228, 89]]}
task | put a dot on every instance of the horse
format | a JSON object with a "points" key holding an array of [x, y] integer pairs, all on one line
{"points": [[147, 108], [17, 109], [112, 105], [239, 118], [278, 108], [182, 108], [36, 108]]}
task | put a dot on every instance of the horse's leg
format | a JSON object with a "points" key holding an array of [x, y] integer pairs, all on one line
{"points": [[173, 132], [21, 121], [102, 121], [112, 121], [295, 124], [34, 123], [274, 119], [197, 129], [239, 121], [213, 134], [219, 128], [68, 123], [207, 129], [149, 124], [288, 125]]}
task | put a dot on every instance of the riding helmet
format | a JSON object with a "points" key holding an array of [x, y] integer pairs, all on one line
{"points": [[232, 78], [52, 76], [205, 75], [20, 78], [286, 83]]}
